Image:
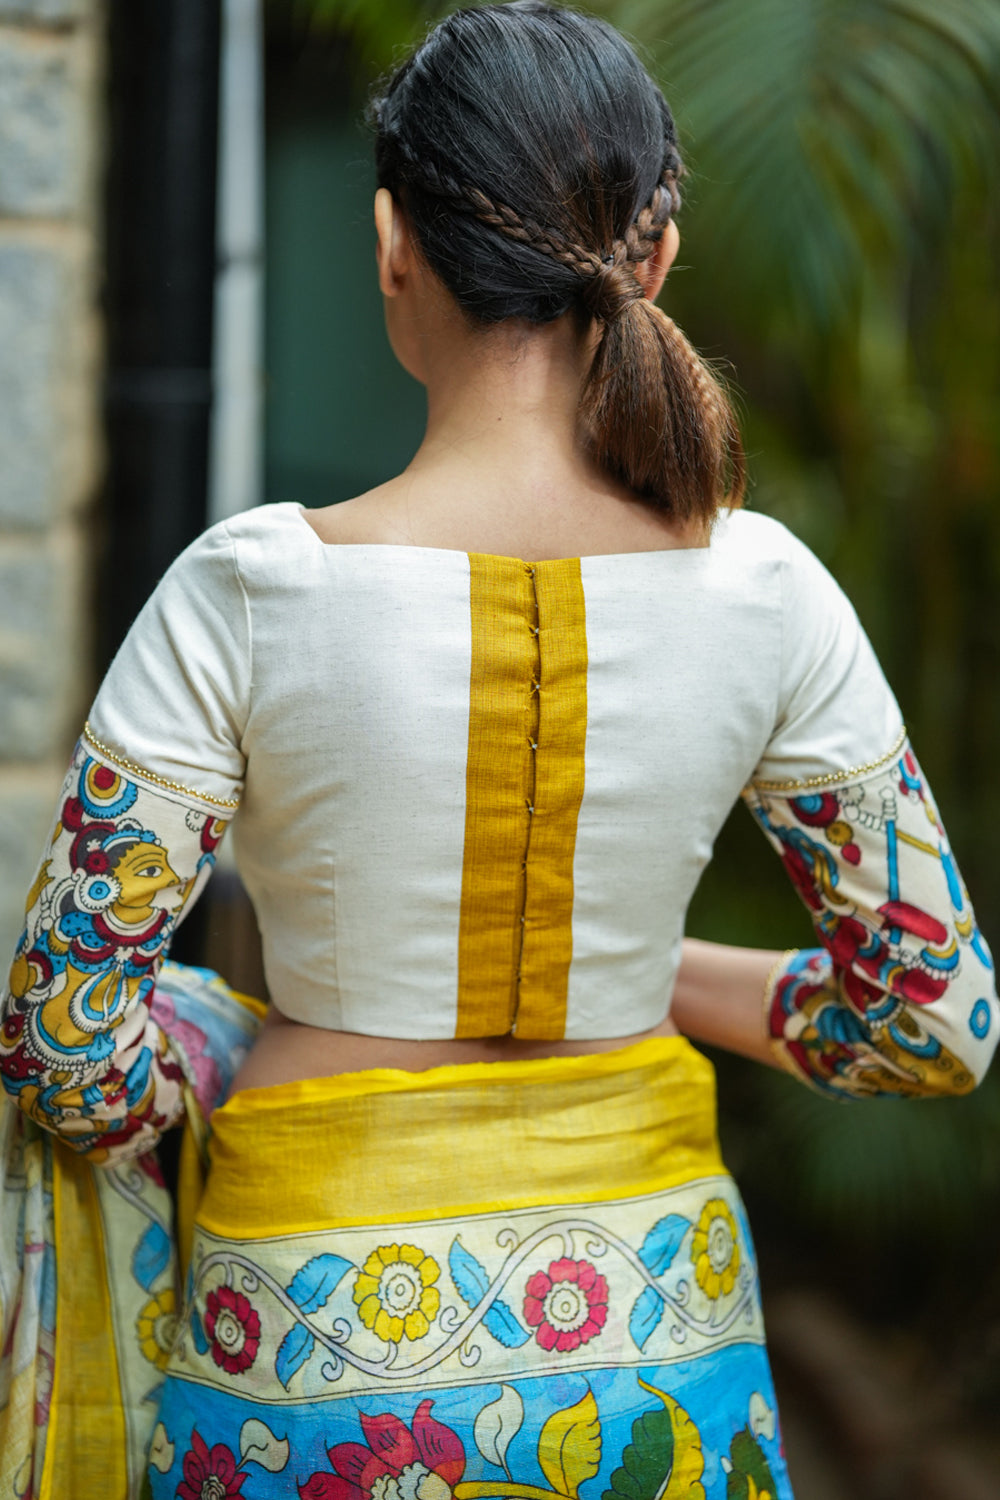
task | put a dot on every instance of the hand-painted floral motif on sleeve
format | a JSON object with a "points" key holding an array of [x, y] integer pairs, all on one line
{"points": [[78, 1050], [900, 998]]}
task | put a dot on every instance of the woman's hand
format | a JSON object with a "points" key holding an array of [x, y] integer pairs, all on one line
{"points": [[719, 997]]}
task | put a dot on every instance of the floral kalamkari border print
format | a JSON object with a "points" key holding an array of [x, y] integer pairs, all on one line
{"points": [[532, 1355]]}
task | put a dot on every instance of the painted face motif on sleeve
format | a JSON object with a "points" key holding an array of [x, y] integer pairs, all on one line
{"points": [[78, 1051]]}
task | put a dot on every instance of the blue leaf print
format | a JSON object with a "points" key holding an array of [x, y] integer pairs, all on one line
{"points": [[151, 1256], [470, 1278], [645, 1316], [198, 1332], [296, 1347], [663, 1242], [314, 1283], [503, 1325], [472, 1283]]}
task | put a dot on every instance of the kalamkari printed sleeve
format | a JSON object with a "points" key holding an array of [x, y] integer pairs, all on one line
{"points": [[900, 996], [153, 784]]}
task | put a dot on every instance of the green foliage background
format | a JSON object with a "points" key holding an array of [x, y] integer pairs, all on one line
{"points": [[841, 250]]}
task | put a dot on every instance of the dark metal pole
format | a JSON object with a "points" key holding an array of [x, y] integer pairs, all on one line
{"points": [[161, 207], [163, 103]]}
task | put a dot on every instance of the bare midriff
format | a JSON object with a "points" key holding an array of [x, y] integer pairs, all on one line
{"points": [[287, 1051]]}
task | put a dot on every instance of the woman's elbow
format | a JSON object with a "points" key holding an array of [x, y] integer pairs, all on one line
{"points": [[945, 1051]]}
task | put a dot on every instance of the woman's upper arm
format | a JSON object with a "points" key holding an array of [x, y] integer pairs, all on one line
{"points": [[154, 782], [900, 998], [174, 703]]}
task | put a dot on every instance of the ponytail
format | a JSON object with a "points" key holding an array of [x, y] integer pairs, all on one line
{"points": [[655, 417], [652, 412]]}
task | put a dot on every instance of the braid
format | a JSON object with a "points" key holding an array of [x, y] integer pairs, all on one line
{"points": [[547, 241], [427, 175], [431, 178], [709, 392], [638, 243], [646, 230]]}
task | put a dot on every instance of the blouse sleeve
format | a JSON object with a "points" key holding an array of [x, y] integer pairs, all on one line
{"points": [[900, 997], [154, 781]]}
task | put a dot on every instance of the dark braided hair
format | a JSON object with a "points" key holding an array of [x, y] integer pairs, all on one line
{"points": [[537, 163]]}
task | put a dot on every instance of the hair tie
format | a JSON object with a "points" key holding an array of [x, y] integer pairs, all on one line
{"points": [[613, 285]]}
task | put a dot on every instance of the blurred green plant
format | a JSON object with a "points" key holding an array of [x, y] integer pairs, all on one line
{"points": [[844, 219], [378, 32], [831, 137]]}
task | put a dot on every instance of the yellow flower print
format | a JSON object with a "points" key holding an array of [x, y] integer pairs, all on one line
{"points": [[395, 1292], [714, 1251], [156, 1326]]}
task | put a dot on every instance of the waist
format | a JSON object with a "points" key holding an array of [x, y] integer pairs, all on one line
{"points": [[376, 1145], [289, 1051]]}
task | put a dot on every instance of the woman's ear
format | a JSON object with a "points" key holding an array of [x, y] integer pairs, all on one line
{"points": [[393, 250], [652, 273]]}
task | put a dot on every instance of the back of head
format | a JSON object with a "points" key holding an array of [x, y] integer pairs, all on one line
{"points": [[537, 163]]}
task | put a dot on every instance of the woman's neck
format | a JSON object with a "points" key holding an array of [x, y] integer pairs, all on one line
{"points": [[502, 467], [507, 397]]}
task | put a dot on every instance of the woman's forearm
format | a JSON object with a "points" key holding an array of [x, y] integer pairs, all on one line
{"points": [[80, 1052], [719, 997]]}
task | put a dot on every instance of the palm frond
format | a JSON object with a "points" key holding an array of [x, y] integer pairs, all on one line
{"points": [[826, 135]]}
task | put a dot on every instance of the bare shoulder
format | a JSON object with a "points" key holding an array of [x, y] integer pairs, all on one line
{"points": [[479, 513], [370, 517]]}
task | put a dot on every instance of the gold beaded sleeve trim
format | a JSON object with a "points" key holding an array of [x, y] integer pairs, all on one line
{"points": [[831, 778], [151, 777]]}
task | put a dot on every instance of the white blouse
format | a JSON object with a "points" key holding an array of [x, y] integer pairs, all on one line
{"points": [[328, 690], [476, 794]]}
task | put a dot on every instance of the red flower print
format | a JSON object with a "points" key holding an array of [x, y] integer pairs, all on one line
{"points": [[325, 1487], [73, 815], [845, 940], [911, 919], [567, 1306], [209, 1474], [421, 1462], [234, 1329], [854, 947]]}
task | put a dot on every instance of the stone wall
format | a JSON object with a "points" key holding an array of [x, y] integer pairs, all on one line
{"points": [[50, 129]]}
